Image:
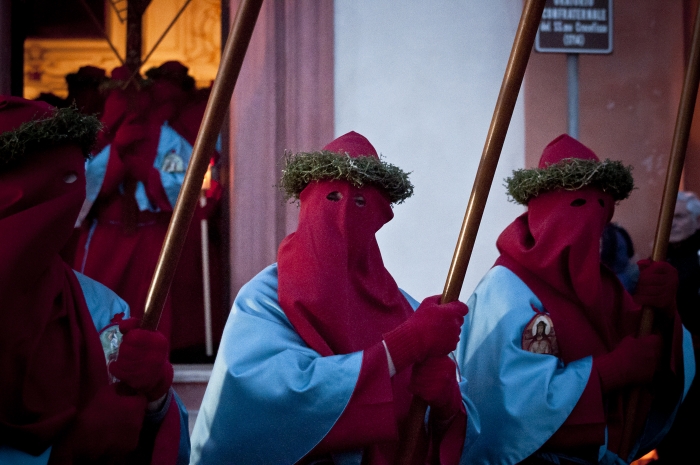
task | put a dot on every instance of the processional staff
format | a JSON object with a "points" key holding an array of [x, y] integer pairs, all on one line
{"points": [[681, 135], [206, 280], [508, 95], [222, 90]]}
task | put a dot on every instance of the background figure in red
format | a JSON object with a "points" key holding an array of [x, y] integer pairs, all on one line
{"points": [[83, 91], [134, 179], [59, 330]]}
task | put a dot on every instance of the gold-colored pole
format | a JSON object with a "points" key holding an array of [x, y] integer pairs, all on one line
{"points": [[681, 135], [229, 68], [508, 95]]}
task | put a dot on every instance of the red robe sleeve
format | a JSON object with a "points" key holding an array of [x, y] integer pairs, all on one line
{"points": [[370, 417]]}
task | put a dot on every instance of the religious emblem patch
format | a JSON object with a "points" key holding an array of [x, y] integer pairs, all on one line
{"points": [[173, 163], [539, 336], [111, 338]]}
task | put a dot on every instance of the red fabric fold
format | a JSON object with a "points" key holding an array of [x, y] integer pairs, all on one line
{"points": [[370, 415], [167, 442]]}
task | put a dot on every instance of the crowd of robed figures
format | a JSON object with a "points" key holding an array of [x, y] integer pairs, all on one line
{"points": [[322, 352]]}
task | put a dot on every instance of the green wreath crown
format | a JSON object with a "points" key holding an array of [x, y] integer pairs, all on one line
{"points": [[571, 174], [65, 125], [302, 168]]}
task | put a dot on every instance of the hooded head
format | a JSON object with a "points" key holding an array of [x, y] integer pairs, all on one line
{"points": [[170, 81], [42, 176], [332, 282], [570, 199], [84, 89]]}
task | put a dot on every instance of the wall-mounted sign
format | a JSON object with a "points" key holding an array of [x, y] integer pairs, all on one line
{"points": [[576, 26]]}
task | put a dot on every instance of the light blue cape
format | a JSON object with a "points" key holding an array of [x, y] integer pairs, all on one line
{"points": [[270, 398]]}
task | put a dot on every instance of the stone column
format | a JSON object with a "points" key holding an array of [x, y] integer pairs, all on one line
{"points": [[283, 101]]}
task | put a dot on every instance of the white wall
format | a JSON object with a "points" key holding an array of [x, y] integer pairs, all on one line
{"points": [[420, 80]]}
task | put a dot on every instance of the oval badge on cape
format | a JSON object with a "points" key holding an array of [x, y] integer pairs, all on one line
{"points": [[111, 338], [539, 336], [173, 163]]}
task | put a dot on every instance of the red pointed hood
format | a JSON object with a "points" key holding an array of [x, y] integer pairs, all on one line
{"points": [[333, 285], [50, 357]]}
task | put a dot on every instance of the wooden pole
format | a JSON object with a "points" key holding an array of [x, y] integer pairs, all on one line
{"points": [[507, 97], [206, 281], [134, 33], [230, 66], [676, 160]]}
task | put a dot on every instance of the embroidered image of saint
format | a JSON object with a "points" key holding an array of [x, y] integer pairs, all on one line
{"points": [[173, 163], [111, 339], [539, 336]]}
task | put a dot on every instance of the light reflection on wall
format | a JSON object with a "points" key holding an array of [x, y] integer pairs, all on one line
{"points": [[194, 40]]}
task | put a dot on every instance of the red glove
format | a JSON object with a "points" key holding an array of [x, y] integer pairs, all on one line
{"points": [[657, 286], [109, 425], [143, 360], [435, 381], [633, 361], [432, 331]]}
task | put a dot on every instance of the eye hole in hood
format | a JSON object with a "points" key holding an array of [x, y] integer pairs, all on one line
{"points": [[334, 196]]}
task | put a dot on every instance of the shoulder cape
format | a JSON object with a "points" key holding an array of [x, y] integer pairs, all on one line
{"points": [[518, 399], [270, 398]]}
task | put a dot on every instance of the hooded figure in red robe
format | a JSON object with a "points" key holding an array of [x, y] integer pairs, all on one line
{"points": [[552, 252], [322, 351], [134, 180], [335, 290], [56, 400]]}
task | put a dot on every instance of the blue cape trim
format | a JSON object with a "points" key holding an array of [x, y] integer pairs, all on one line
{"points": [[270, 399], [169, 143], [102, 302], [515, 399], [184, 448], [8, 455], [95, 170]]}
